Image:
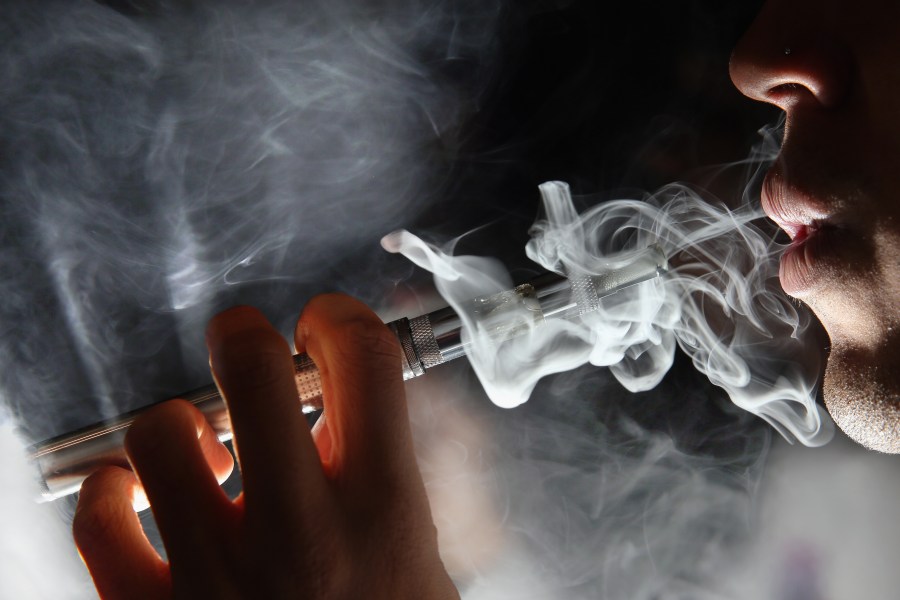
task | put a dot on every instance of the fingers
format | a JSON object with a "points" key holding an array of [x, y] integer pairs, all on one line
{"points": [[178, 460], [359, 361], [253, 368], [111, 541]]}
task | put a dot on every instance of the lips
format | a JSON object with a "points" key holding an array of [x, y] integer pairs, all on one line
{"points": [[808, 222], [789, 205]]}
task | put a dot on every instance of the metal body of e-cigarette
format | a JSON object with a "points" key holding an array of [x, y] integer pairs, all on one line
{"points": [[427, 340]]}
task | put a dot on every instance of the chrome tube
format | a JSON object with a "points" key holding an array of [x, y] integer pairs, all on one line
{"points": [[427, 341]]}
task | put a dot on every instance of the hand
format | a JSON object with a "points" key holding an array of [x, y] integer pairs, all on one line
{"points": [[341, 513]]}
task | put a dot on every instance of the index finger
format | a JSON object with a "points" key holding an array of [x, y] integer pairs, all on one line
{"points": [[359, 363]]}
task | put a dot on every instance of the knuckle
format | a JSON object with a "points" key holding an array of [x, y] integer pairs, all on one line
{"points": [[256, 361], [98, 518], [258, 369], [319, 578], [364, 340], [90, 525], [172, 417], [326, 565], [141, 439], [331, 569]]}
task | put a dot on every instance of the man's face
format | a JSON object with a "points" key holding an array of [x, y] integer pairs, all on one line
{"points": [[834, 67]]}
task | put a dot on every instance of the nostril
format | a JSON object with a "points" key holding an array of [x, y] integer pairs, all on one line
{"points": [[792, 94], [785, 92], [817, 74]]}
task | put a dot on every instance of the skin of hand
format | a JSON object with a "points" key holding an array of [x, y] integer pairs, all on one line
{"points": [[340, 512]]}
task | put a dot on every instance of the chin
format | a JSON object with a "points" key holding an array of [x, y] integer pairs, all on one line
{"points": [[862, 393]]}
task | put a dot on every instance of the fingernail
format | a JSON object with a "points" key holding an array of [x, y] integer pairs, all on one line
{"points": [[301, 335], [139, 501]]}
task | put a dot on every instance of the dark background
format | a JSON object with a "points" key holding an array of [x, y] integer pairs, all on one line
{"points": [[617, 99]]}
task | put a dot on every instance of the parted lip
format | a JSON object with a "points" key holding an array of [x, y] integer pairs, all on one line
{"points": [[791, 206], [816, 223]]}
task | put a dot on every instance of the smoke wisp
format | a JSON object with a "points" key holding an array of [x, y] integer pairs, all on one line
{"points": [[721, 303], [162, 161]]}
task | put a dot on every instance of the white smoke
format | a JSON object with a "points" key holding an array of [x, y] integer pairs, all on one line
{"points": [[577, 495], [720, 302], [37, 557], [163, 161]]}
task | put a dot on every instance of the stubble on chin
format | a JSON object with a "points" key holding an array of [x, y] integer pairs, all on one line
{"points": [[862, 393]]}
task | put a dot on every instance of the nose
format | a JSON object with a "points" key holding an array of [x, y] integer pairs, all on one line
{"points": [[790, 58]]}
